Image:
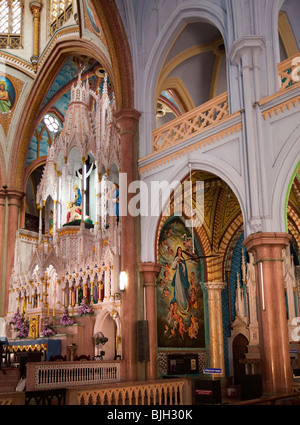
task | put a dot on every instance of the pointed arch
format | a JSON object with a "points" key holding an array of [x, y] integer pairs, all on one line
{"points": [[120, 59], [119, 50]]}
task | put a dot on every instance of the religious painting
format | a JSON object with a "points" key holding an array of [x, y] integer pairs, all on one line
{"points": [[94, 20], [7, 95], [180, 306], [10, 89], [34, 327]]}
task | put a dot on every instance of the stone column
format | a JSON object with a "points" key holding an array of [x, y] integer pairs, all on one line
{"points": [[150, 272], [35, 8], [3, 251], [127, 121], [14, 199], [216, 338], [272, 315]]}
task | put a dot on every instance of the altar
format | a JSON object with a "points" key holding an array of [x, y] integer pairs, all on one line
{"points": [[46, 346], [71, 266]]}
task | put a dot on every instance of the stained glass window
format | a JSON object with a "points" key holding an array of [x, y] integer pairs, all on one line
{"points": [[60, 12], [51, 123], [11, 24]]}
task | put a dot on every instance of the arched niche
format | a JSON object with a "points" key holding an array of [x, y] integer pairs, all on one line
{"points": [[108, 322]]}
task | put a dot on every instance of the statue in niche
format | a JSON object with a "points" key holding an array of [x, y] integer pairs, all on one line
{"points": [[75, 207], [115, 200], [51, 224]]}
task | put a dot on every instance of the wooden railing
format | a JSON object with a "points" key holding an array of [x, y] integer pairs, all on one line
{"points": [[289, 72], [191, 123], [171, 392], [50, 375]]}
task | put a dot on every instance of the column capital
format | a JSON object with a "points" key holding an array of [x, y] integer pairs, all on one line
{"points": [[266, 239], [150, 272], [245, 45], [131, 114], [15, 195], [35, 8], [126, 119], [215, 285]]}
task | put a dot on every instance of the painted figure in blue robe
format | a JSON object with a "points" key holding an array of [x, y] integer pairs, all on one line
{"points": [[115, 199], [78, 197], [180, 282]]}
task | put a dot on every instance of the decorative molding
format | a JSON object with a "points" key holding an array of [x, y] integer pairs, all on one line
{"points": [[28, 68], [166, 159], [281, 107], [17, 63]]}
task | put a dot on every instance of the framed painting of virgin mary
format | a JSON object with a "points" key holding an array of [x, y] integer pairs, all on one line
{"points": [[180, 302]]}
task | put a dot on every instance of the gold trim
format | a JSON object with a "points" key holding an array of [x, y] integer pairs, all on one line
{"points": [[281, 107], [287, 35], [32, 347], [183, 56]]}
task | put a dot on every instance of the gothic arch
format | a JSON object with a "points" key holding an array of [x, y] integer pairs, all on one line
{"points": [[107, 314], [119, 52], [123, 81], [206, 11], [179, 173], [44, 78], [284, 180]]}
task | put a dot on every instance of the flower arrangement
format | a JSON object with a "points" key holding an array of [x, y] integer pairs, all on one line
{"points": [[20, 324], [84, 308], [47, 329], [66, 320]]}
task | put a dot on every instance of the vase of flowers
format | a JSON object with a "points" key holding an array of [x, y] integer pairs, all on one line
{"points": [[84, 308], [20, 325], [66, 320], [47, 329]]}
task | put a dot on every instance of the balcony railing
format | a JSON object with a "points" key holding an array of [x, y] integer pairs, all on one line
{"points": [[165, 392], [289, 72], [191, 123], [51, 375]]}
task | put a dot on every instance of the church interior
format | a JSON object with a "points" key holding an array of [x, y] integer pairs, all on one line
{"points": [[150, 201]]}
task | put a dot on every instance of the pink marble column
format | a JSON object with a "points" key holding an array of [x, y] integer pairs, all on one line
{"points": [[150, 272], [2, 242], [14, 199], [127, 121], [272, 315]]}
